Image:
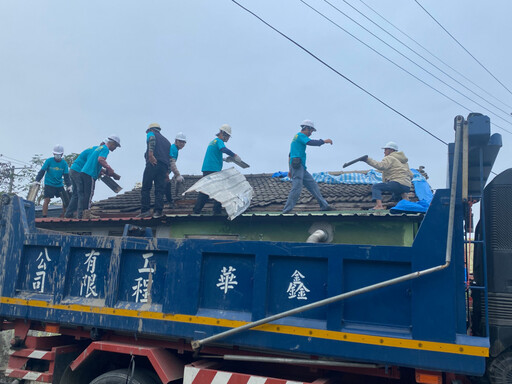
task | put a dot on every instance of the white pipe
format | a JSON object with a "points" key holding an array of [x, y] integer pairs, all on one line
{"points": [[319, 236]]}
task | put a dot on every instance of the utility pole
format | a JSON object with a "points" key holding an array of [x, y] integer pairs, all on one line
{"points": [[11, 180]]}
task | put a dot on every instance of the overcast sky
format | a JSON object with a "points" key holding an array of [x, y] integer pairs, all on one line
{"points": [[73, 72]]}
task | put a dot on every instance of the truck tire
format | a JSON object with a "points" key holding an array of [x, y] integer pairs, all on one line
{"points": [[500, 369], [120, 376]]}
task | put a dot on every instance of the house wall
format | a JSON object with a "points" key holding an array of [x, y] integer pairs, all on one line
{"points": [[386, 230]]}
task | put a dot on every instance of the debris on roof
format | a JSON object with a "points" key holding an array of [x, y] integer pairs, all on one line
{"points": [[229, 187]]}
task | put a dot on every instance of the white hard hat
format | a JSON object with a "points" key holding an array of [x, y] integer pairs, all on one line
{"points": [[58, 150], [226, 128], [308, 123], [155, 125], [181, 137], [115, 139], [391, 145]]}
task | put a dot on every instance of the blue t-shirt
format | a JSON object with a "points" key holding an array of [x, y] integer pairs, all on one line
{"points": [[174, 152], [213, 157], [149, 135], [298, 147], [80, 161], [54, 170], [92, 167]]}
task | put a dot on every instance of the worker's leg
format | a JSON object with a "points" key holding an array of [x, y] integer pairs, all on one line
{"points": [[88, 183], [147, 183], [160, 176], [168, 191], [200, 202], [297, 182], [314, 189], [45, 206], [73, 202], [80, 191], [201, 199]]}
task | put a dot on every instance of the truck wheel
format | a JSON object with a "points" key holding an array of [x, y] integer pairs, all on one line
{"points": [[120, 376], [500, 369]]}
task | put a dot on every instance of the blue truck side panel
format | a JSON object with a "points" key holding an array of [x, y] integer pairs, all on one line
{"points": [[191, 289]]}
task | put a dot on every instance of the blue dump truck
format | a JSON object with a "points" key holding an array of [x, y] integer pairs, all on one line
{"points": [[145, 310]]}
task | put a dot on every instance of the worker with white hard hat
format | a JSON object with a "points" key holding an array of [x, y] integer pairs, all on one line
{"points": [[156, 171], [213, 163], [396, 174], [96, 165], [179, 142], [56, 169], [298, 171], [76, 203]]}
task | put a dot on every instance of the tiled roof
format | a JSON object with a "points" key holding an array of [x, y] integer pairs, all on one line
{"points": [[270, 194]]}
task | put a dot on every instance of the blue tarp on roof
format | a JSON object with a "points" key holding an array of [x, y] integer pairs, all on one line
{"points": [[421, 186]]}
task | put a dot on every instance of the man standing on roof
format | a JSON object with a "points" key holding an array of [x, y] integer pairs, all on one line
{"points": [[95, 165], [56, 169], [157, 165], [396, 175], [213, 163], [298, 171], [179, 143], [76, 202]]}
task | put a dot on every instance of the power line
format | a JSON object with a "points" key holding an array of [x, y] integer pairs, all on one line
{"points": [[401, 54], [432, 54], [10, 159], [339, 73], [402, 68], [469, 53], [424, 58]]}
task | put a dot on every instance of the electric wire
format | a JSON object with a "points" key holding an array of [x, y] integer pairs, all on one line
{"points": [[469, 53], [339, 73], [407, 58], [402, 68], [424, 58], [434, 55], [12, 160]]}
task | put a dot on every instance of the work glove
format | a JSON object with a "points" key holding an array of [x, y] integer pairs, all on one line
{"points": [[69, 188], [180, 179], [36, 183], [237, 158]]}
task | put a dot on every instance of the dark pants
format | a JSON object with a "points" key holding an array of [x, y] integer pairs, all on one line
{"points": [[391, 186], [76, 202], [301, 177], [167, 191], [153, 174], [203, 198], [88, 191]]}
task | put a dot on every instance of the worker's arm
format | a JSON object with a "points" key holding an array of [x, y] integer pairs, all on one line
{"points": [[67, 180], [174, 168], [380, 165], [40, 175], [104, 164], [228, 151], [151, 140], [319, 142]]}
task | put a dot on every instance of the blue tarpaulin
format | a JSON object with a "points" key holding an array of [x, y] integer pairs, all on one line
{"points": [[421, 186]]}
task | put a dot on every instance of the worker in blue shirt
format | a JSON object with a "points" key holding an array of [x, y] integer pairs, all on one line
{"points": [[95, 165], [179, 143], [213, 163], [56, 169], [76, 202], [156, 171], [298, 171]]}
